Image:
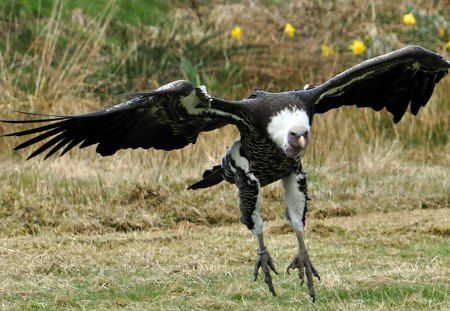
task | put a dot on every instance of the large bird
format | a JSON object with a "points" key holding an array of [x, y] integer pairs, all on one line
{"points": [[274, 128]]}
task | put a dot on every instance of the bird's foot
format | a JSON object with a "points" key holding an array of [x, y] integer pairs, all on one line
{"points": [[302, 262], [264, 260]]}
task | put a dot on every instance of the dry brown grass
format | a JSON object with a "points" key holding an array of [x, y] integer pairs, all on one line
{"points": [[383, 262]]}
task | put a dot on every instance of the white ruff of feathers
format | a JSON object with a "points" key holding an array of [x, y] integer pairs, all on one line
{"points": [[283, 121]]}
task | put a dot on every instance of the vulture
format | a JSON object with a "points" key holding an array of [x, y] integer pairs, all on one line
{"points": [[274, 128]]}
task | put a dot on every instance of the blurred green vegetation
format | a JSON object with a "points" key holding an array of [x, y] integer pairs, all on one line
{"points": [[137, 44], [134, 12]]}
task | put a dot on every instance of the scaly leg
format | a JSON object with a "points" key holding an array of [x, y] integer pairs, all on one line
{"points": [[264, 261], [250, 203], [302, 262], [296, 204]]}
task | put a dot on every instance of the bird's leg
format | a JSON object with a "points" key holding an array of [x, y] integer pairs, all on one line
{"points": [[264, 261], [302, 262], [296, 205], [250, 203]]}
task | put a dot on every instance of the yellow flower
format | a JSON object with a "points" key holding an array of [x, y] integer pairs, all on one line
{"points": [[440, 31], [409, 19], [289, 30], [358, 47], [326, 50], [447, 46], [236, 33]]}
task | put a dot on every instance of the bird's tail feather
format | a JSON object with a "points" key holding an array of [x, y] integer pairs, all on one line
{"points": [[210, 178]]}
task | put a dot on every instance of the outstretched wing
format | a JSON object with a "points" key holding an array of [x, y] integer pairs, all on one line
{"points": [[168, 118], [392, 81]]}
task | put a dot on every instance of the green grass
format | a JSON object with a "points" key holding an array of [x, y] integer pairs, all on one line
{"points": [[196, 267], [134, 12]]}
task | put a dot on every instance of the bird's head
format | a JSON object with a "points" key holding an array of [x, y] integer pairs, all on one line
{"points": [[296, 141], [290, 129]]}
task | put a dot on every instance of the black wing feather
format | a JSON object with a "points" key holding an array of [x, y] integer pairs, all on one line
{"points": [[39, 138], [63, 140], [74, 142], [36, 129], [158, 119], [394, 81]]}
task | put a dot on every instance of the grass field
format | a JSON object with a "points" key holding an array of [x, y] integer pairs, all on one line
{"points": [[394, 260], [77, 235], [121, 233]]}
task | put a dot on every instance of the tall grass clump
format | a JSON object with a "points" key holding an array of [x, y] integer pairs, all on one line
{"points": [[60, 55], [71, 53]]}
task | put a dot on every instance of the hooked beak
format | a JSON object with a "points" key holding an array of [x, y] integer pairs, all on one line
{"points": [[302, 142]]}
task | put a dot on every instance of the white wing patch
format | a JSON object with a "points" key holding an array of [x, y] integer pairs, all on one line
{"points": [[191, 102], [193, 106], [339, 89], [280, 124]]}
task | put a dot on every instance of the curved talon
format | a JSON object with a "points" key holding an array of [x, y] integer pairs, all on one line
{"points": [[287, 270], [315, 273], [264, 261], [301, 274], [272, 267], [304, 266]]}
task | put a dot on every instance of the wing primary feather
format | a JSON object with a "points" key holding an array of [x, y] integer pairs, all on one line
{"points": [[45, 146], [38, 129], [428, 90], [72, 144], [70, 131], [39, 138], [419, 91], [52, 116], [413, 108], [32, 121], [64, 141], [399, 109], [72, 137]]}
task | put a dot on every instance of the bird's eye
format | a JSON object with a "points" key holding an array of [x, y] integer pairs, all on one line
{"points": [[251, 96]]}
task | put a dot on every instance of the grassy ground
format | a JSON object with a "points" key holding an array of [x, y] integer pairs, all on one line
{"points": [[379, 261], [122, 233], [76, 234]]}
